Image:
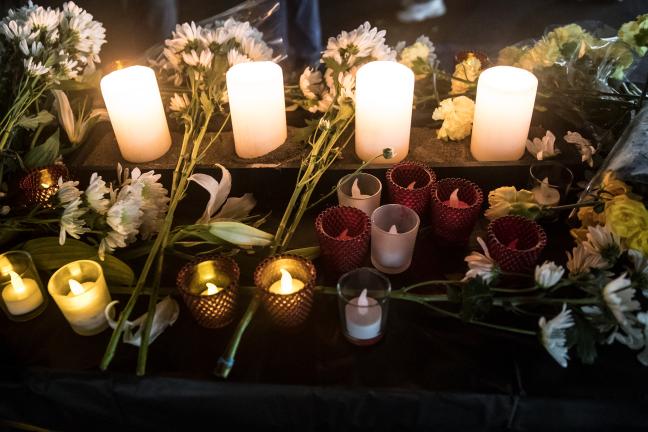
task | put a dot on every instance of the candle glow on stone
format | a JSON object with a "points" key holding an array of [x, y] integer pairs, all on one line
{"points": [[136, 112], [286, 285], [503, 109], [257, 104], [384, 95]]}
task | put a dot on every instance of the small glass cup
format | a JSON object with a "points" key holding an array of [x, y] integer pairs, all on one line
{"points": [[291, 308], [516, 243], [23, 294], [394, 228], [370, 189], [363, 324], [40, 185], [213, 305], [343, 234], [558, 177], [410, 184], [85, 309], [455, 224]]}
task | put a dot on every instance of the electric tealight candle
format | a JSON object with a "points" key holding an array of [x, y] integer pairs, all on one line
{"points": [[21, 296], [361, 191], [363, 317], [384, 95], [394, 228], [256, 99], [136, 112], [80, 291], [503, 109], [286, 285], [211, 289], [545, 194]]}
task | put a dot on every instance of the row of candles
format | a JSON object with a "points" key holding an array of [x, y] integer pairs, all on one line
{"points": [[384, 95]]}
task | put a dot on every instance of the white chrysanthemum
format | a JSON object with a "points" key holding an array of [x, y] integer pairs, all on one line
{"points": [[553, 335], [586, 149], [71, 221], [548, 274], [95, 194], [256, 50], [34, 50], [124, 218], [619, 298], [582, 260], [457, 115], [310, 83], [602, 241], [235, 57], [67, 191], [361, 43], [18, 32], [204, 59], [46, 20], [422, 49], [154, 200], [179, 103], [543, 148], [481, 265], [184, 34], [347, 87], [35, 68]]}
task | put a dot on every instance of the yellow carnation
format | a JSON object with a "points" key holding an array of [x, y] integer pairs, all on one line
{"points": [[508, 200], [457, 115], [626, 217], [639, 242]]}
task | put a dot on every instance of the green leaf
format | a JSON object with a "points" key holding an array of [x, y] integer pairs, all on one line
{"points": [[32, 122], [583, 336], [307, 252], [303, 134], [477, 299], [44, 154], [48, 255]]}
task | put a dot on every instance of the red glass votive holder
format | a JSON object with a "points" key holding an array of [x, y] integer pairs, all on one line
{"points": [[291, 307], [410, 184], [40, 185], [516, 242], [454, 224], [212, 305], [343, 234]]}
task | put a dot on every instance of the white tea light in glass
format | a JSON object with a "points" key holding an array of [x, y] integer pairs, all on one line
{"points": [[23, 296], [256, 99], [363, 298], [550, 182], [394, 228], [503, 109], [384, 96], [136, 112], [80, 291], [361, 191]]}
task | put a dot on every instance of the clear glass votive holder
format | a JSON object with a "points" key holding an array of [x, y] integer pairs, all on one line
{"points": [[369, 189], [83, 309], [209, 288], [559, 181], [454, 224], [289, 307], [363, 316], [394, 228], [516, 243], [410, 184], [23, 295], [343, 234], [40, 185]]}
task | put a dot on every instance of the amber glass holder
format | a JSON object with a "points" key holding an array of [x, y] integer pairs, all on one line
{"points": [[40, 185]]}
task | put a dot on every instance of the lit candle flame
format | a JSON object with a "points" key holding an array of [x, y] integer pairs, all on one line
{"points": [[356, 192], [17, 282], [393, 230], [211, 289], [363, 303], [75, 287], [286, 282]]}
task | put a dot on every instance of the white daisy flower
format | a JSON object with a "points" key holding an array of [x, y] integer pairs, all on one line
{"points": [[67, 191], [582, 260], [154, 200], [553, 335], [619, 298], [257, 50], [35, 68], [95, 194], [71, 221], [204, 59], [361, 43], [184, 34], [548, 274], [602, 241], [235, 57], [14, 31], [481, 265], [310, 83], [179, 103], [46, 20]]}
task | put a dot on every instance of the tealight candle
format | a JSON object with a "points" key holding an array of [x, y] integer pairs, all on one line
{"points": [[355, 191], [136, 112], [384, 96], [211, 289], [80, 291], [363, 317], [21, 296], [257, 104], [394, 228], [361, 191], [286, 285], [454, 200], [503, 109], [544, 194], [455, 207]]}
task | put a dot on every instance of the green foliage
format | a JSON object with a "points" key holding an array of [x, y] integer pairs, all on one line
{"points": [[44, 154], [476, 299], [584, 336]]}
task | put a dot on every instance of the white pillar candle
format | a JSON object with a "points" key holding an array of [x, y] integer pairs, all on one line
{"points": [[256, 99], [136, 112], [363, 316], [82, 303], [21, 295], [384, 96], [503, 109]]}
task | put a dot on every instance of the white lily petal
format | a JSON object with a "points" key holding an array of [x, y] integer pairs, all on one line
{"points": [[65, 114], [166, 314], [237, 208], [218, 192]]}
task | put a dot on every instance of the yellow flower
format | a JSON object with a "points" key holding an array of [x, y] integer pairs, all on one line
{"points": [[544, 53], [613, 185], [467, 70], [626, 217], [579, 234], [639, 242], [457, 115], [588, 217], [508, 200], [635, 34]]}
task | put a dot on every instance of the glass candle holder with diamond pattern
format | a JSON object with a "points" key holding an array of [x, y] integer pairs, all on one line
{"points": [[410, 184], [454, 221], [516, 242], [343, 234]]}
